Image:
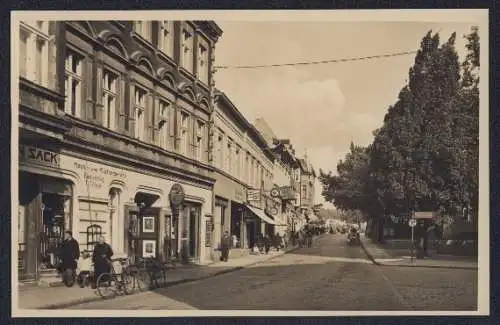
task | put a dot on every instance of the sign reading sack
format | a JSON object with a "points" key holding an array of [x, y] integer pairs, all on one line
{"points": [[39, 156]]}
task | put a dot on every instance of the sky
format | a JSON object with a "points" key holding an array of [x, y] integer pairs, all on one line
{"points": [[321, 108]]}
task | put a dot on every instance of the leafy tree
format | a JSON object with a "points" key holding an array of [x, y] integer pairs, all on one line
{"points": [[466, 126], [347, 189], [425, 155]]}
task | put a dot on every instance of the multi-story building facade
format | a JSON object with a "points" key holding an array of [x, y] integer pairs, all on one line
{"points": [[244, 170], [113, 128], [285, 180], [284, 171], [307, 189]]}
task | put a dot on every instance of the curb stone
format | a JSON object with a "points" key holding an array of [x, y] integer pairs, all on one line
{"points": [[84, 300], [374, 261], [368, 254]]}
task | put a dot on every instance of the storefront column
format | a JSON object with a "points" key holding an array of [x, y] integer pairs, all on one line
{"points": [[243, 230], [161, 233]]}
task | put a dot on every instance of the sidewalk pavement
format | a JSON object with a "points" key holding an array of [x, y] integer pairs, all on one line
{"points": [[380, 256], [62, 297]]}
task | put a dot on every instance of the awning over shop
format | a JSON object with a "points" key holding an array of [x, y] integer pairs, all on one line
{"points": [[261, 214]]}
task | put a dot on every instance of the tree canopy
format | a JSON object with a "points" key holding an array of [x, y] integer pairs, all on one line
{"points": [[425, 156]]}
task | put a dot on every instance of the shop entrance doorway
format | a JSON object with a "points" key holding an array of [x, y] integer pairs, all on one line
{"points": [[53, 227], [44, 216]]}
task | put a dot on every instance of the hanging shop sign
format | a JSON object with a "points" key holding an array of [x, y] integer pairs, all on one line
{"points": [[275, 192], [176, 194], [426, 214], [253, 195], [288, 193]]}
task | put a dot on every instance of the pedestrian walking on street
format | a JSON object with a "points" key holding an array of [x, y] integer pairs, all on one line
{"points": [[101, 258], [260, 243], [225, 246], [267, 243], [309, 235], [69, 253], [277, 242]]}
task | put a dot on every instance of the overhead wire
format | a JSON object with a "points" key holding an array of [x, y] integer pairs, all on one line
{"points": [[361, 58]]}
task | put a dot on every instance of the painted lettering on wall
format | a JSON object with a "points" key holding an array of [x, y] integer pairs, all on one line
{"points": [[95, 176], [39, 156]]}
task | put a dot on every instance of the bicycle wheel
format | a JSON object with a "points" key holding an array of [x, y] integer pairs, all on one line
{"points": [[106, 285], [141, 280], [127, 283]]}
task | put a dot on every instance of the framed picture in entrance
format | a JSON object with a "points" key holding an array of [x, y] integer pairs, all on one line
{"points": [[148, 224], [148, 248]]}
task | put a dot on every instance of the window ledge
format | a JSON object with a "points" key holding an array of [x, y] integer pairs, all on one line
{"points": [[166, 57], [41, 90], [186, 73], [203, 84], [143, 41]]}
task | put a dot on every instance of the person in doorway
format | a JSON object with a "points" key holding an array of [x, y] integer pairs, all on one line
{"points": [[101, 258], [69, 253], [225, 246]]}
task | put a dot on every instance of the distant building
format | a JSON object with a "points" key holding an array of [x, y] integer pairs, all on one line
{"points": [[307, 188]]}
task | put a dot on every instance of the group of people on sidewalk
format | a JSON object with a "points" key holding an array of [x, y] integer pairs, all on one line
{"points": [[77, 266], [303, 237], [264, 243]]}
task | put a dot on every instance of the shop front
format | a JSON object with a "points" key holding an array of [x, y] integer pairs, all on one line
{"points": [[229, 211], [64, 190], [257, 223]]}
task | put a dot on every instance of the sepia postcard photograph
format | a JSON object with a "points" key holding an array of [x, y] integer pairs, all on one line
{"points": [[250, 163]]}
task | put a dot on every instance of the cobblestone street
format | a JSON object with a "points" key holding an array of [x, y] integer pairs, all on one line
{"points": [[327, 276]]}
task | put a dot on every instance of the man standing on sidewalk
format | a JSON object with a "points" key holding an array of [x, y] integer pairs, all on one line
{"points": [[69, 253], [225, 246]]}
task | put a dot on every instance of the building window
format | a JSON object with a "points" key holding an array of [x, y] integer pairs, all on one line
{"points": [[252, 172], [163, 109], [73, 84], [140, 109], [202, 69], [166, 39], [34, 51], [229, 164], [143, 28], [247, 169], [238, 163], [187, 50], [184, 133], [109, 98], [200, 129], [219, 152]]}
